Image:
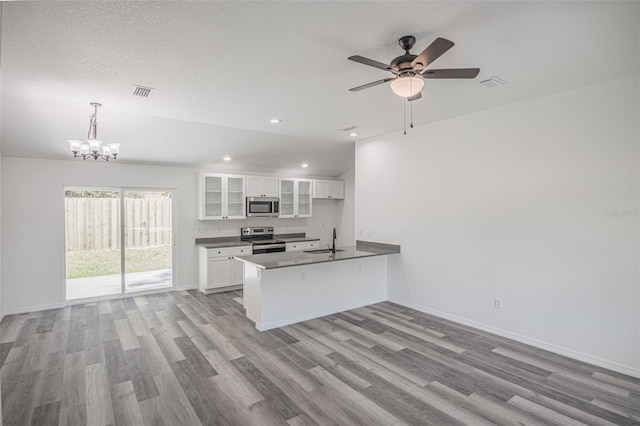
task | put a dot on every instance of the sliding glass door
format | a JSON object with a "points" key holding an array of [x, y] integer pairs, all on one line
{"points": [[148, 240], [93, 256], [117, 241]]}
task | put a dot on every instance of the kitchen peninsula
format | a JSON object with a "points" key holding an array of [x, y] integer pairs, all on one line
{"points": [[289, 287]]}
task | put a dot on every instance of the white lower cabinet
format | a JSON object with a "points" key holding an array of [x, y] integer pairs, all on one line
{"points": [[219, 271], [302, 246]]}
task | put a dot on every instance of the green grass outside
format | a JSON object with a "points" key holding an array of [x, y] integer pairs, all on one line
{"points": [[81, 264]]}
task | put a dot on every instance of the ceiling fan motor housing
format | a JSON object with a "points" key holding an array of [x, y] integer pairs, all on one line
{"points": [[402, 63], [407, 42]]}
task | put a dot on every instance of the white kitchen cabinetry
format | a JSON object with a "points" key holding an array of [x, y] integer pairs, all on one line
{"points": [[330, 189], [262, 186], [221, 197], [295, 197], [302, 246], [219, 271]]}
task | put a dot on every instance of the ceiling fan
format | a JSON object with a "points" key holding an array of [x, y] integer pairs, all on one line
{"points": [[410, 70]]}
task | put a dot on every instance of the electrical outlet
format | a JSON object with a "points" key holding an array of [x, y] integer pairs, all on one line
{"points": [[360, 232], [301, 276], [370, 233], [497, 303], [359, 267]]}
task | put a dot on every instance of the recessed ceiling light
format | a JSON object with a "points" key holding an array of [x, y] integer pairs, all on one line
{"points": [[305, 165], [353, 134], [275, 121], [227, 158]]}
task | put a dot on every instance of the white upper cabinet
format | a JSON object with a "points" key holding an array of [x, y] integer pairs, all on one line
{"points": [[295, 197], [262, 186], [331, 189], [221, 197]]}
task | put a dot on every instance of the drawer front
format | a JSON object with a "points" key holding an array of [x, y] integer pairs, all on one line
{"points": [[243, 251], [294, 247], [229, 251], [312, 245]]}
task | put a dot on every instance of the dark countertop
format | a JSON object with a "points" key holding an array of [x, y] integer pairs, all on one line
{"points": [[294, 238], [219, 242], [300, 258]]}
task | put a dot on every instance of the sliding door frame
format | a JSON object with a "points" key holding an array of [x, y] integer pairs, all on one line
{"points": [[123, 294]]}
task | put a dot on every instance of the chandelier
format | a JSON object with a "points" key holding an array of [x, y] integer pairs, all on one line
{"points": [[93, 147]]}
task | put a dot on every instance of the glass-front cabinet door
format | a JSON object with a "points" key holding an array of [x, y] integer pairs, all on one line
{"points": [[212, 194], [287, 198], [304, 198], [295, 197], [221, 197], [235, 197]]}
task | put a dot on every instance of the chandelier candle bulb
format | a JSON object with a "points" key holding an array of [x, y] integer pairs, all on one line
{"points": [[94, 145], [75, 146], [115, 149]]}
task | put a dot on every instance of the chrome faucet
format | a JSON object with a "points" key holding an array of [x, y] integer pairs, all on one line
{"points": [[333, 249]]}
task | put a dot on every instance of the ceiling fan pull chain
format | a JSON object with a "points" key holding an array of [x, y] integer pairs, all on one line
{"points": [[411, 106], [404, 114]]}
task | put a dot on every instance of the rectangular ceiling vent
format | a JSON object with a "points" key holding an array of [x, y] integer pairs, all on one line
{"points": [[348, 128], [142, 91], [492, 82]]}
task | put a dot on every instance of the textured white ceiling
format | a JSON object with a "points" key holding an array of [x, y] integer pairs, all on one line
{"points": [[222, 69]]}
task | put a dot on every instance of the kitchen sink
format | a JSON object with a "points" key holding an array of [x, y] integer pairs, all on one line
{"points": [[322, 251]]}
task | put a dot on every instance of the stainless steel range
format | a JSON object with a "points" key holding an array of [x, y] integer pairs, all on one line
{"points": [[261, 239]]}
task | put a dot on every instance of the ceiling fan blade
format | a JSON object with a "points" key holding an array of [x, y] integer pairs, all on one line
{"points": [[370, 62], [366, 86], [415, 97], [431, 53], [451, 73]]}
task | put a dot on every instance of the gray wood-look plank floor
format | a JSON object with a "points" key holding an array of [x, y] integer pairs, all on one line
{"points": [[189, 359]]}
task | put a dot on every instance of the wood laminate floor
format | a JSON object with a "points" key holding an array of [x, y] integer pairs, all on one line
{"points": [[189, 359]]}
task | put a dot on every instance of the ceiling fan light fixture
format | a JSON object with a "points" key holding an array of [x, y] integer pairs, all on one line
{"points": [[406, 87]]}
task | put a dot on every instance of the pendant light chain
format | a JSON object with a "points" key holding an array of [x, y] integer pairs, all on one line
{"points": [[404, 115], [411, 106], [93, 124]]}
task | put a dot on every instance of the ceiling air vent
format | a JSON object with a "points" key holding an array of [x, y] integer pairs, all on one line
{"points": [[142, 91], [348, 128], [492, 82]]}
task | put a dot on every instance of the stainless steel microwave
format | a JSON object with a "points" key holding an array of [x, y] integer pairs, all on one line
{"points": [[263, 206]]}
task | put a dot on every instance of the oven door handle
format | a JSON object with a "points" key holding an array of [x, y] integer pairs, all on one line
{"points": [[268, 246]]}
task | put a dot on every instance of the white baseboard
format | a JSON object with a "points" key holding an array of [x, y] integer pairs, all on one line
{"points": [[35, 308], [317, 314], [580, 356]]}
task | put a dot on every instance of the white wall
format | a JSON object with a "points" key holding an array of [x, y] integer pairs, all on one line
{"points": [[33, 222], [535, 203], [345, 213]]}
